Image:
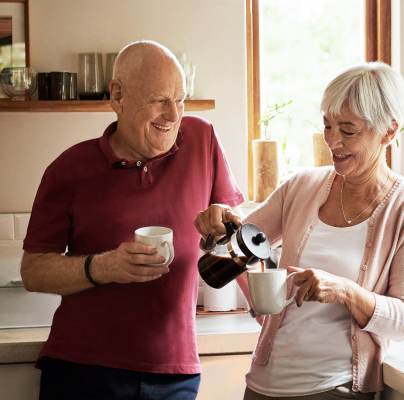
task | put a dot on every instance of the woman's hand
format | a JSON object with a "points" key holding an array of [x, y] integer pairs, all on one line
{"points": [[318, 285], [211, 220]]}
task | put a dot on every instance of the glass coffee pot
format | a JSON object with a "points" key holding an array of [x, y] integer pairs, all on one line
{"points": [[240, 247]]}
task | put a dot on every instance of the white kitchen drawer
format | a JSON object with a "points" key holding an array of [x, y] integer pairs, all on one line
{"points": [[19, 308]]}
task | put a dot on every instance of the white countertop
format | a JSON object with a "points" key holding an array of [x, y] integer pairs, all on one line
{"points": [[393, 367]]}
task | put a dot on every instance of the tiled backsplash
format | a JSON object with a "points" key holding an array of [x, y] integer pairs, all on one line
{"points": [[13, 226]]}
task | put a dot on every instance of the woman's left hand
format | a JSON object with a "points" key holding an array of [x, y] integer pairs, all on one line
{"points": [[318, 285]]}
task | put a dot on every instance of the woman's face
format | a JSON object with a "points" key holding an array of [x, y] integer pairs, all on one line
{"points": [[356, 149]]}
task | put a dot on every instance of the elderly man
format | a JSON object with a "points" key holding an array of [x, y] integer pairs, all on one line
{"points": [[125, 328]]}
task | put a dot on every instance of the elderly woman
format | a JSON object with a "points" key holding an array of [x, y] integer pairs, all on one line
{"points": [[342, 232]]}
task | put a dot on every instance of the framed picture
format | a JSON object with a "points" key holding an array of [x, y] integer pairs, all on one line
{"points": [[14, 33]]}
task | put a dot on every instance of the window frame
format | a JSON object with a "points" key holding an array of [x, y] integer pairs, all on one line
{"points": [[377, 48]]}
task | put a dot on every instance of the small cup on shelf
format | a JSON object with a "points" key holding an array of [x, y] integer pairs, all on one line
{"points": [[90, 76], [43, 86], [109, 67]]}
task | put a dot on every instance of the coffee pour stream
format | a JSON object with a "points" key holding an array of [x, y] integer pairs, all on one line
{"points": [[233, 254]]}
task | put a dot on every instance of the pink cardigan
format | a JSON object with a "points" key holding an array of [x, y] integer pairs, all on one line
{"points": [[287, 217]]}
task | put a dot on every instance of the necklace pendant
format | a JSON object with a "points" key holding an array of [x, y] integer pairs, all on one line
{"points": [[349, 221]]}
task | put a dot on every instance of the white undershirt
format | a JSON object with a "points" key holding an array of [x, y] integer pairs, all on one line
{"points": [[312, 349]]}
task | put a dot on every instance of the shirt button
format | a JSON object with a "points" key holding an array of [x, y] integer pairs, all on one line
{"points": [[354, 337], [123, 163], [368, 244], [355, 387], [138, 163], [364, 267], [145, 169]]}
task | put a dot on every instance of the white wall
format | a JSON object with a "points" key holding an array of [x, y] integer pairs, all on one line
{"points": [[211, 32]]}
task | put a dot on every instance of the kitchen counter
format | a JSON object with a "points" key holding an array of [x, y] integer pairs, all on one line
{"points": [[216, 334]]}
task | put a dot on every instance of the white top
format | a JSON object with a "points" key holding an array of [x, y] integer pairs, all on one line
{"points": [[312, 350]]}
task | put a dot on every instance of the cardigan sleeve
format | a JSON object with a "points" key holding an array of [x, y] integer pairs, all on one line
{"points": [[388, 317]]}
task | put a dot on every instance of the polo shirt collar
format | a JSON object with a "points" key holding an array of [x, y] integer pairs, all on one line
{"points": [[116, 162]]}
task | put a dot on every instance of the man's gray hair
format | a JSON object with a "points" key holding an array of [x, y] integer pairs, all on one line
{"points": [[373, 91]]}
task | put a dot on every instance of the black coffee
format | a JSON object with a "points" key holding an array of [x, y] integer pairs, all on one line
{"points": [[219, 271]]}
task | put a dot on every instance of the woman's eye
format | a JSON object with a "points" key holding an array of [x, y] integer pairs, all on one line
{"points": [[347, 133], [327, 127]]}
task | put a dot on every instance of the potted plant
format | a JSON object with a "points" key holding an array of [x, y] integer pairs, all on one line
{"points": [[266, 156]]}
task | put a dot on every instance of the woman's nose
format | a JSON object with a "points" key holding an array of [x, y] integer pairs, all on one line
{"points": [[333, 138]]}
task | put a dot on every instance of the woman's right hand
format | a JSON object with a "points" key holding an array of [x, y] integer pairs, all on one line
{"points": [[211, 220]]}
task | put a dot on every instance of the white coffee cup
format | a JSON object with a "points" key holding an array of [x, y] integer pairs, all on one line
{"points": [[268, 290], [160, 237]]}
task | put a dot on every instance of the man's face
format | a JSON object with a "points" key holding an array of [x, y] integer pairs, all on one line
{"points": [[153, 105]]}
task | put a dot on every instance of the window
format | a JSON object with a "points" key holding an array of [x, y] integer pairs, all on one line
{"points": [[294, 48]]}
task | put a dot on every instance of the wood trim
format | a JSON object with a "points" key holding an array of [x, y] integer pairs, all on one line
{"points": [[384, 31], [253, 82], [84, 105], [371, 30]]}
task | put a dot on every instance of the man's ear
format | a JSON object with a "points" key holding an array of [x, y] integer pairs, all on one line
{"points": [[391, 133], [116, 95]]}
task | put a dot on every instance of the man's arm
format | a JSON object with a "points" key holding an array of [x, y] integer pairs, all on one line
{"points": [[55, 273]]}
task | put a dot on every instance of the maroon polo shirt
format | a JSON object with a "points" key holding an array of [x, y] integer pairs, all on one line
{"points": [[90, 201]]}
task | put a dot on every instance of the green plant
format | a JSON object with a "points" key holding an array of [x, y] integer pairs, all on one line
{"points": [[271, 112]]}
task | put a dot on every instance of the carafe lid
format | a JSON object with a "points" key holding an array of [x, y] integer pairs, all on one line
{"points": [[253, 242]]}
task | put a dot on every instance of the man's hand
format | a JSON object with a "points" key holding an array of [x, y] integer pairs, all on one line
{"points": [[130, 262]]}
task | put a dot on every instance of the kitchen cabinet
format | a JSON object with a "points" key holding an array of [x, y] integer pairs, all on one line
{"points": [[223, 376], [19, 382]]}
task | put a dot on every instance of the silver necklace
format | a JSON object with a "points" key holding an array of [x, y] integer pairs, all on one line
{"points": [[350, 220]]}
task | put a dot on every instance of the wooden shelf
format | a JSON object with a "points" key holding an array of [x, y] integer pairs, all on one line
{"points": [[85, 105]]}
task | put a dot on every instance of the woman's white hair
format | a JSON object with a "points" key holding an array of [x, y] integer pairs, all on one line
{"points": [[373, 91]]}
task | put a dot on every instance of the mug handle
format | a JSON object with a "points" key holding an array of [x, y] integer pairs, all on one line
{"points": [[170, 249], [292, 298]]}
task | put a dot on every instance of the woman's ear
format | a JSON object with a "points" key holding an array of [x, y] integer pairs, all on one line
{"points": [[391, 133], [116, 95]]}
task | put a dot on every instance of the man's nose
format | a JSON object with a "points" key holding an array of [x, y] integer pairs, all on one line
{"points": [[171, 112]]}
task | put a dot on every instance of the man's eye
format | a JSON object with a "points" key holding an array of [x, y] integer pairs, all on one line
{"points": [[327, 127]]}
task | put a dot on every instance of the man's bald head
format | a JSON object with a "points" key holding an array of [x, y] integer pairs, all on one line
{"points": [[147, 93], [142, 57]]}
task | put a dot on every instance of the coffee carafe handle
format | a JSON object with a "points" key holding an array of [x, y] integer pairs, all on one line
{"points": [[209, 244]]}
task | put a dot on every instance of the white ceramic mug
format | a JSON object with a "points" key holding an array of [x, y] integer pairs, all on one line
{"points": [[160, 237], [268, 290]]}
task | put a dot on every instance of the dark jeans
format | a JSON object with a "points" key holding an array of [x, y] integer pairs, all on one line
{"points": [[62, 380]]}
